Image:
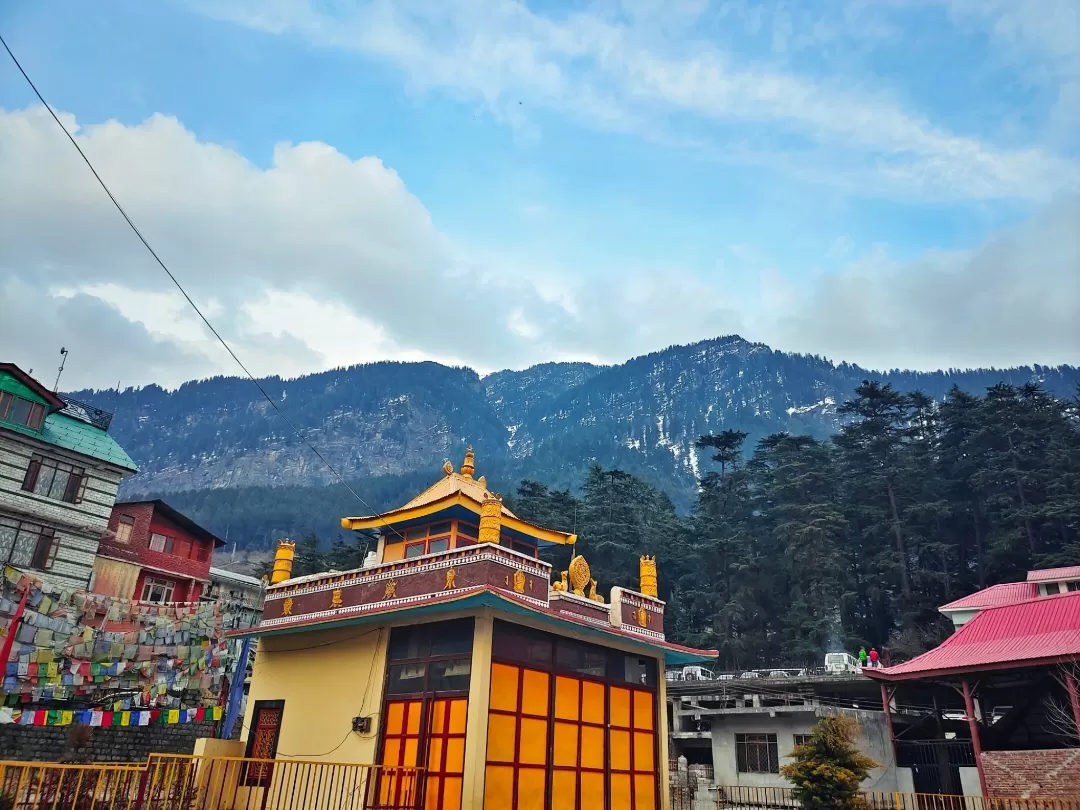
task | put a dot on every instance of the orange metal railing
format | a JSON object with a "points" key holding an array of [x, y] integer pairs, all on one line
{"points": [[179, 782]]}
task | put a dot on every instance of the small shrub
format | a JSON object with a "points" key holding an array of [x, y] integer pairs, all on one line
{"points": [[829, 769]]}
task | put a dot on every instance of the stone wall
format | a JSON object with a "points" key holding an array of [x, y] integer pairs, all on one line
{"points": [[1026, 774], [113, 744]]}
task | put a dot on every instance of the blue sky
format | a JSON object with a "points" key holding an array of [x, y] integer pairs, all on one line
{"points": [[891, 183]]}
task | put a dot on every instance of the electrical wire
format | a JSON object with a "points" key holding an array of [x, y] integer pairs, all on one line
{"points": [[183, 292]]}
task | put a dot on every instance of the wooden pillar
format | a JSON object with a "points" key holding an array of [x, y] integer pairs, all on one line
{"points": [[1074, 698], [973, 728]]}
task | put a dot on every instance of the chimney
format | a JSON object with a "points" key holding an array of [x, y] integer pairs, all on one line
{"points": [[283, 560]]}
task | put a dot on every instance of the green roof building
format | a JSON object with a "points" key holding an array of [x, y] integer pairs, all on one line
{"points": [[59, 474]]}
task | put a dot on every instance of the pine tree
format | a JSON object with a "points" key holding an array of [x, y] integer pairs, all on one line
{"points": [[829, 769]]}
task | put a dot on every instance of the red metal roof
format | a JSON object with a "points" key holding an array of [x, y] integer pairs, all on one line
{"points": [[1008, 593], [1054, 574], [1038, 632]]}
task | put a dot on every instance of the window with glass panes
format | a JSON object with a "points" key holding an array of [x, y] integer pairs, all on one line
{"points": [[427, 688], [569, 724]]}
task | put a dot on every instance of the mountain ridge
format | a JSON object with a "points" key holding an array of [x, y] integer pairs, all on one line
{"points": [[548, 421]]}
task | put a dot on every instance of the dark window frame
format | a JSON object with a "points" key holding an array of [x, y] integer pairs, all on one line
{"points": [[259, 774], [749, 756], [74, 487], [43, 555], [35, 411], [615, 660], [167, 586], [124, 520]]}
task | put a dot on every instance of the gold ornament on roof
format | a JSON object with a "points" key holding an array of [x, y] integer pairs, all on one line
{"points": [[559, 585], [592, 592], [468, 467], [448, 468], [579, 574], [648, 576], [490, 519], [482, 481]]}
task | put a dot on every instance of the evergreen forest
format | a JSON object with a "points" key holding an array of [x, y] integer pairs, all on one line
{"points": [[798, 546]]}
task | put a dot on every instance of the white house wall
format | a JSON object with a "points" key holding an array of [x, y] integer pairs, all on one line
{"points": [[79, 527]]}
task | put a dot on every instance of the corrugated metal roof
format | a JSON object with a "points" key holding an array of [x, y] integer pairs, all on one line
{"points": [[79, 437], [1008, 593], [1054, 574], [1011, 636]]}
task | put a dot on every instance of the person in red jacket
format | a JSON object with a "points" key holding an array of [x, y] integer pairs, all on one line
{"points": [[873, 657]]}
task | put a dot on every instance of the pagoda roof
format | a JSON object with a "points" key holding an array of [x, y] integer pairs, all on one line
{"points": [[459, 494], [1034, 633]]}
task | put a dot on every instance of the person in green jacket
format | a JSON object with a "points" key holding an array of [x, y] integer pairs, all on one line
{"points": [[862, 656]]}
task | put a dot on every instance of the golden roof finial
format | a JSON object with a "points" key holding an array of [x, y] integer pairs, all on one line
{"points": [[467, 467]]}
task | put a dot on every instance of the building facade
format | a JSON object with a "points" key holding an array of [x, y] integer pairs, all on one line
{"points": [[464, 659], [242, 596], [153, 553], [59, 474], [734, 730]]}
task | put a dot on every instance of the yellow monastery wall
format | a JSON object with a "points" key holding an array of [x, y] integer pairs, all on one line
{"points": [[323, 676], [326, 678]]}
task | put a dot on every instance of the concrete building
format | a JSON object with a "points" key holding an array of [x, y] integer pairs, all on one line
{"points": [[739, 729], [154, 553], [242, 595], [59, 474]]}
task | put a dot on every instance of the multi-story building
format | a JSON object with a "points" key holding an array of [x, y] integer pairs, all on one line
{"points": [[59, 474], [154, 554], [241, 594], [738, 729]]}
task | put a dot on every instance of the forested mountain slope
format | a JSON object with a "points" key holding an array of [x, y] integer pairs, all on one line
{"points": [[388, 425]]}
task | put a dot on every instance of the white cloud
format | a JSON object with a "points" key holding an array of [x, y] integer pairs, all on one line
{"points": [[628, 76], [316, 261], [320, 260], [1013, 300]]}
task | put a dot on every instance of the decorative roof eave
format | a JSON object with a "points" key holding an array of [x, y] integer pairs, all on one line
{"points": [[884, 674], [398, 516], [673, 654]]}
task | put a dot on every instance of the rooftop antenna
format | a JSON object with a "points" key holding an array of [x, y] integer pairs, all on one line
{"points": [[63, 360]]}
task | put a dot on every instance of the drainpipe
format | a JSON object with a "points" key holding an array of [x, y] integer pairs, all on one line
{"points": [[973, 728]]}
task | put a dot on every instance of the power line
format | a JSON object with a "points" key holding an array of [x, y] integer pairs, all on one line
{"points": [[183, 292]]}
